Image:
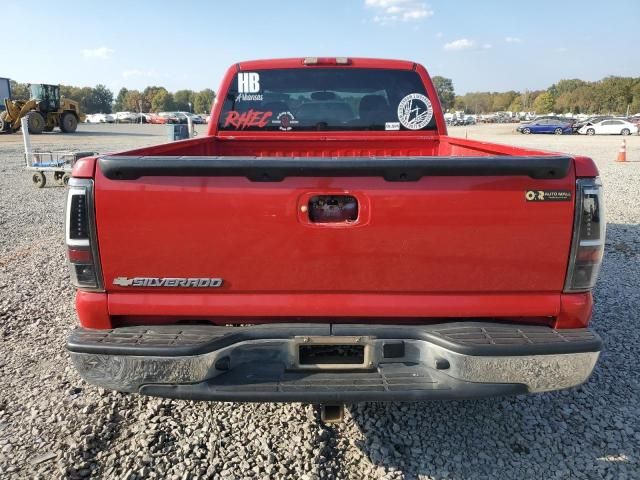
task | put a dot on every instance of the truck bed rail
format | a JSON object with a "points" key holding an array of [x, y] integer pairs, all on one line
{"points": [[274, 169]]}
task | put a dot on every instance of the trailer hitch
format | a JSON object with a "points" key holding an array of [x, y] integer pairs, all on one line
{"points": [[331, 412]]}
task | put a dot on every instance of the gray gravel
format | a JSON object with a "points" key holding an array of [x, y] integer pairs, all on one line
{"points": [[53, 425]]}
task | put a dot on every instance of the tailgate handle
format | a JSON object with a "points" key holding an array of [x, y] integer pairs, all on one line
{"points": [[333, 209]]}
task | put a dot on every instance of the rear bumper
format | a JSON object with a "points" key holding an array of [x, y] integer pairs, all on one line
{"points": [[453, 360]]}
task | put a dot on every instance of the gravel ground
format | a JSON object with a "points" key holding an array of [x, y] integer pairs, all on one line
{"points": [[53, 425]]}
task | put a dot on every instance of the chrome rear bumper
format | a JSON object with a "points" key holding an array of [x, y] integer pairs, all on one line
{"points": [[451, 360]]}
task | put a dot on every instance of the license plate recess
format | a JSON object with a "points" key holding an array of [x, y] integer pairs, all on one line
{"points": [[332, 353]]}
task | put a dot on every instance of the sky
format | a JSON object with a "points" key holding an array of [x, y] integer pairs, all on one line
{"points": [[482, 45]]}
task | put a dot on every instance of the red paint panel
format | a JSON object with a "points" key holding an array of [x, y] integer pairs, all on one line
{"points": [[341, 144], [575, 310], [349, 306], [585, 167], [92, 310], [84, 167], [436, 235]]}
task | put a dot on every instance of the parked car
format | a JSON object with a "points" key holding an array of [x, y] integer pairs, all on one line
{"points": [[156, 118], [455, 121], [141, 118], [635, 120], [546, 125], [611, 126], [173, 117], [369, 281], [568, 120], [578, 125], [126, 117], [182, 116], [504, 117], [197, 119], [100, 118]]}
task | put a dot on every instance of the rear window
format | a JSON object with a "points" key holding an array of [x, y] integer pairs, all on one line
{"points": [[333, 99]]}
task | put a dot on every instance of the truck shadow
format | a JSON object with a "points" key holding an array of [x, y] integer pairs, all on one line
{"points": [[589, 431]]}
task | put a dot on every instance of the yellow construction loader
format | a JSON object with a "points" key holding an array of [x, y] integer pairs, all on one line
{"points": [[44, 111]]}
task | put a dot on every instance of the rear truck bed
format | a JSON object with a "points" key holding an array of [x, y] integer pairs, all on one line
{"points": [[327, 242], [449, 282]]}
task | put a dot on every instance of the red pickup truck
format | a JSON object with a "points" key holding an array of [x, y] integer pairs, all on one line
{"points": [[328, 242]]}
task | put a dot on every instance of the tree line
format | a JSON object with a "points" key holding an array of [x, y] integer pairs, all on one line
{"points": [[611, 95], [159, 99], [100, 99]]}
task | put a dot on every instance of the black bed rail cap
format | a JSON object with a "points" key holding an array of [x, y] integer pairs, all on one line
{"points": [[275, 169]]}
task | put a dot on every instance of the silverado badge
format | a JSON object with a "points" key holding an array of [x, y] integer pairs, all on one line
{"points": [[168, 282]]}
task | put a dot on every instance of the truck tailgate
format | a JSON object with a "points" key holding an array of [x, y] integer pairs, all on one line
{"points": [[444, 232]]}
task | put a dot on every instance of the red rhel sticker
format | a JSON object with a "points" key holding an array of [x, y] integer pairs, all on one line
{"points": [[252, 118]]}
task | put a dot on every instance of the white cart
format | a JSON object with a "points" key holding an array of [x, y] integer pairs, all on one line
{"points": [[56, 163]]}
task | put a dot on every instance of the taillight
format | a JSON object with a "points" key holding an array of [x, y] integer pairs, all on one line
{"points": [[587, 247], [80, 236]]}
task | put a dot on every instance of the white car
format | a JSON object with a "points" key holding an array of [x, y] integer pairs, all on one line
{"points": [[126, 117], [611, 126], [99, 118]]}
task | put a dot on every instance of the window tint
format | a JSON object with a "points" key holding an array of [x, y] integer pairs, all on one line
{"points": [[335, 99]]}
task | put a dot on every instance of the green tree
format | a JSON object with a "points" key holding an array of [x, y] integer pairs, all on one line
{"points": [[120, 100], [149, 92], [203, 101], [544, 103], [565, 103], [635, 102], [614, 94], [566, 86], [582, 99], [73, 93], [446, 93], [516, 104], [162, 100], [459, 103], [84, 96], [134, 101], [502, 101], [19, 91], [182, 99], [98, 100], [475, 102]]}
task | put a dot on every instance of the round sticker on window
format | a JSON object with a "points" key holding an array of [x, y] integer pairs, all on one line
{"points": [[415, 111]]}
